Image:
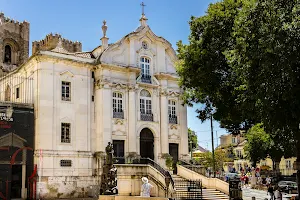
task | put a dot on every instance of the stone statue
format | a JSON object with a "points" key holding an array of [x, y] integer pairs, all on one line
{"points": [[109, 153], [109, 174], [104, 28], [146, 188]]}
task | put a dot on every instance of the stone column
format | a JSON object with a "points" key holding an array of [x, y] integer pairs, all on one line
{"points": [[107, 115], [98, 118], [103, 114], [184, 150], [24, 189], [164, 122], [132, 119]]}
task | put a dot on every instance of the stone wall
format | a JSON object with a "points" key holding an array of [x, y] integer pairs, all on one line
{"points": [[15, 34], [50, 42], [64, 187]]}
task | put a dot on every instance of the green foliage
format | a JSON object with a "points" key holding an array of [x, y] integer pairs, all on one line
{"points": [[258, 144], [193, 140], [205, 75], [169, 160], [261, 144], [242, 62], [265, 58], [207, 160]]}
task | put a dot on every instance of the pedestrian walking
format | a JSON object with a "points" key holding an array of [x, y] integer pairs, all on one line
{"points": [[277, 194], [271, 192]]}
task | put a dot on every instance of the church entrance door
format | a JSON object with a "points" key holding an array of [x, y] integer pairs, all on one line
{"points": [[147, 144], [173, 150]]}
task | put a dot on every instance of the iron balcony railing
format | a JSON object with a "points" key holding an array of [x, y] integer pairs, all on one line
{"points": [[119, 115], [146, 117], [147, 161], [172, 119], [146, 79]]}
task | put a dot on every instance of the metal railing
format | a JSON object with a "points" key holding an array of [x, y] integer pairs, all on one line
{"points": [[201, 170], [147, 161], [172, 119], [188, 189], [16, 89], [146, 117], [146, 79], [119, 115]]}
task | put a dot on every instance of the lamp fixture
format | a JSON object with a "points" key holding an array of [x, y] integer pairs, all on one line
{"points": [[9, 112]]}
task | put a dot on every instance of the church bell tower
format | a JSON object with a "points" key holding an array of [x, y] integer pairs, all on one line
{"points": [[14, 43]]}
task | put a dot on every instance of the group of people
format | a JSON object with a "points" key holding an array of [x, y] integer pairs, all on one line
{"points": [[274, 195]]}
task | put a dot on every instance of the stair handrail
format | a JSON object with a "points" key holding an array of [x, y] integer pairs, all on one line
{"points": [[191, 166], [149, 161], [196, 168]]}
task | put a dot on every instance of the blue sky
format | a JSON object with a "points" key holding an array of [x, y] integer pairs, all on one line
{"points": [[82, 20]]}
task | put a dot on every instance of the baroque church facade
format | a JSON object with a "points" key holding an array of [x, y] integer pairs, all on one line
{"points": [[125, 93]]}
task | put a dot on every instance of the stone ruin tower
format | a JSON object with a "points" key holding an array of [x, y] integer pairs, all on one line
{"points": [[51, 41], [14, 43]]}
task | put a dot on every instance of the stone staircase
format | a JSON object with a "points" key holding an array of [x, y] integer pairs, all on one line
{"points": [[207, 194]]}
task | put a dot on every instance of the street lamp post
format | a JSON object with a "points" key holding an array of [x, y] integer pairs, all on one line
{"points": [[212, 145], [191, 147]]}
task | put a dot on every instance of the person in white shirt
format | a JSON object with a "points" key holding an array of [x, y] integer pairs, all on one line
{"points": [[277, 194]]}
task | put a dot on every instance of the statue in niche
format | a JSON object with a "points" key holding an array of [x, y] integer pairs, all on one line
{"points": [[146, 188], [109, 175]]}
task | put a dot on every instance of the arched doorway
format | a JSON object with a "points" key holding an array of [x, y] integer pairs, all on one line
{"points": [[147, 144]]}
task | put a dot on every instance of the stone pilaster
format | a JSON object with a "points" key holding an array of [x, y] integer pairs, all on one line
{"points": [[103, 114], [183, 130], [164, 122], [132, 118]]}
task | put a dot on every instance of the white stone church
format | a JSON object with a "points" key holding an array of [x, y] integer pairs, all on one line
{"points": [[125, 92]]}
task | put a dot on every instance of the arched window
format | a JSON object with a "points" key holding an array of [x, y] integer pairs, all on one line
{"points": [[7, 93], [7, 54], [145, 102], [172, 112], [145, 69], [118, 105]]}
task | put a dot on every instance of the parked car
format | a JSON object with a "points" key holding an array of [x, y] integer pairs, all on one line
{"points": [[287, 186], [231, 176]]}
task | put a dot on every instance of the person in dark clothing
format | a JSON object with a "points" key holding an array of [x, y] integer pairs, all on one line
{"points": [[271, 192]]}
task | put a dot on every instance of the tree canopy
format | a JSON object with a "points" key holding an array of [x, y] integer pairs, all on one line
{"points": [[242, 62], [193, 141]]}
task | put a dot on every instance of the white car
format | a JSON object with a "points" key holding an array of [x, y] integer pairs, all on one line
{"points": [[287, 186]]}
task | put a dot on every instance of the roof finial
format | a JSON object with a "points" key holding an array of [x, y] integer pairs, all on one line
{"points": [[104, 39], [143, 18], [104, 28], [143, 5]]}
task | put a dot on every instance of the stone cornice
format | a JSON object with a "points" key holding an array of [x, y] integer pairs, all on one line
{"points": [[165, 76], [168, 92], [66, 61], [68, 57], [120, 68]]}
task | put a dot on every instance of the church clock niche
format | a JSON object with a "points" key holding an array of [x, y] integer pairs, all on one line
{"points": [[7, 54], [145, 45]]}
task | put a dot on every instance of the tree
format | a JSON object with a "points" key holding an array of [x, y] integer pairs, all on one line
{"points": [[242, 62], [193, 141], [266, 59], [258, 144], [207, 161], [205, 75]]}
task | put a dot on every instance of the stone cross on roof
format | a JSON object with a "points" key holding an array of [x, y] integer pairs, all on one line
{"points": [[143, 5]]}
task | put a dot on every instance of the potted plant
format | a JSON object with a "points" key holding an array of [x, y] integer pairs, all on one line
{"points": [[169, 161]]}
